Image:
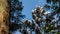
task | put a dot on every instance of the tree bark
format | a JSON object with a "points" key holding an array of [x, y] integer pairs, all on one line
{"points": [[4, 17]]}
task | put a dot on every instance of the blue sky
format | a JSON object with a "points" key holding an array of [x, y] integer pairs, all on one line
{"points": [[29, 5]]}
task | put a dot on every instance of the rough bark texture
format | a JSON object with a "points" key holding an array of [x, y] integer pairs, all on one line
{"points": [[4, 17]]}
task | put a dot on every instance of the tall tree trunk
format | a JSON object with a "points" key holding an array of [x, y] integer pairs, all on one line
{"points": [[4, 17]]}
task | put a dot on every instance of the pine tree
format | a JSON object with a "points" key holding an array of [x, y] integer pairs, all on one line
{"points": [[42, 22], [55, 7], [15, 15]]}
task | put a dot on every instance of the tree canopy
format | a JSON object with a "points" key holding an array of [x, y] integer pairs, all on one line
{"points": [[43, 22], [15, 15]]}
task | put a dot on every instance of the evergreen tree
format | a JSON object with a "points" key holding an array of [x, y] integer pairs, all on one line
{"points": [[15, 15], [42, 23], [54, 5]]}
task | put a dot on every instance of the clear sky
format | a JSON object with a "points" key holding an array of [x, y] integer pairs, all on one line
{"points": [[29, 5]]}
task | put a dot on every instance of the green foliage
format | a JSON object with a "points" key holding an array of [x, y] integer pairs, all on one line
{"points": [[42, 20], [37, 24], [48, 28], [55, 5], [15, 15]]}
